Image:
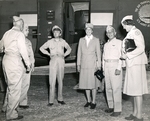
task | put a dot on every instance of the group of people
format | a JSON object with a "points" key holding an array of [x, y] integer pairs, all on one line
{"points": [[17, 73], [114, 57], [18, 63]]}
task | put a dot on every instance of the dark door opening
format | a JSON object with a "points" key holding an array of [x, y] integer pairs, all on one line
{"points": [[76, 14]]}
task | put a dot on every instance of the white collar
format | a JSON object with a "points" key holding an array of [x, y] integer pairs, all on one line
{"points": [[87, 38], [111, 39]]}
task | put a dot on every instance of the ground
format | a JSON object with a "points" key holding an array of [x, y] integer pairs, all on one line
{"points": [[75, 100]]}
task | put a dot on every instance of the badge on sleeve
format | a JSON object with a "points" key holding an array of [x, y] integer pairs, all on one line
{"points": [[137, 32]]}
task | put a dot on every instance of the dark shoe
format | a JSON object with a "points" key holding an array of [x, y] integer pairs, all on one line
{"points": [[19, 117], [131, 117], [49, 104], [61, 102], [115, 114], [110, 110], [137, 119], [87, 104], [24, 106], [93, 106]]}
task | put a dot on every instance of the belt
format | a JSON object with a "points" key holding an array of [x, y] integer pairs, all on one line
{"points": [[111, 60], [56, 55]]}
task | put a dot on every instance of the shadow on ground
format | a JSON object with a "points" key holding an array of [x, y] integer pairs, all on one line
{"points": [[75, 100]]}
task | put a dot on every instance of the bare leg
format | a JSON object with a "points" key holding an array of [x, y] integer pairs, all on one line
{"points": [[139, 101], [93, 96], [134, 107], [88, 95]]}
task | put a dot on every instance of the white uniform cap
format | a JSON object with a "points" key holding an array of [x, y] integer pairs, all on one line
{"points": [[128, 17], [16, 18], [56, 28], [109, 27], [89, 25]]}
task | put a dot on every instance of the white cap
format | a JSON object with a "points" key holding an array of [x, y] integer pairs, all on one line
{"points": [[89, 25], [16, 18], [109, 27], [130, 17], [57, 28]]}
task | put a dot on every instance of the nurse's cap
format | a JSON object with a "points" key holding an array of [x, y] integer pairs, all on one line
{"points": [[16, 18], [128, 17], [57, 28], [109, 28], [88, 25]]}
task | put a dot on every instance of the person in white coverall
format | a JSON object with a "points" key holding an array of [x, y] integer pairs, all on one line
{"points": [[14, 47], [27, 76], [56, 46]]}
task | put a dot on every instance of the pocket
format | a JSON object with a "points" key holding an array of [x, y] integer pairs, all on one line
{"points": [[114, 49], [52, 47]]}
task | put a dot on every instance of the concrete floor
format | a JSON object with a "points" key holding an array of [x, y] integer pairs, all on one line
{"points": [[73, 111]]}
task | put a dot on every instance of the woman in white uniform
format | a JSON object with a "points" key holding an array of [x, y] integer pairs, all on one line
{"points": [[135, 80]]}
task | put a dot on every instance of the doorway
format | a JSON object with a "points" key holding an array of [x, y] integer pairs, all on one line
{"points": [[76, 14]]}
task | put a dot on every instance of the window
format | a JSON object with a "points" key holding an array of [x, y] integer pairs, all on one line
{"points": [[29, 19], [102, 18]]}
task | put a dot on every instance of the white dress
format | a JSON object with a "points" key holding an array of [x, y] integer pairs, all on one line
{"points": [[135, 79]]}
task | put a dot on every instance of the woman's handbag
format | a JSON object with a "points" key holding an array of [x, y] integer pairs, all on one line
{"points": [[99, 74], [129, 45]]}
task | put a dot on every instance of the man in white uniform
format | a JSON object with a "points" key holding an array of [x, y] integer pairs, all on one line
{"points": [[113, 72], [13, 45], [27, 76]]}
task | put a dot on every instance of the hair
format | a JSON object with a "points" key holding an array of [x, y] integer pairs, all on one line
{"points": [[128, 22]]}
